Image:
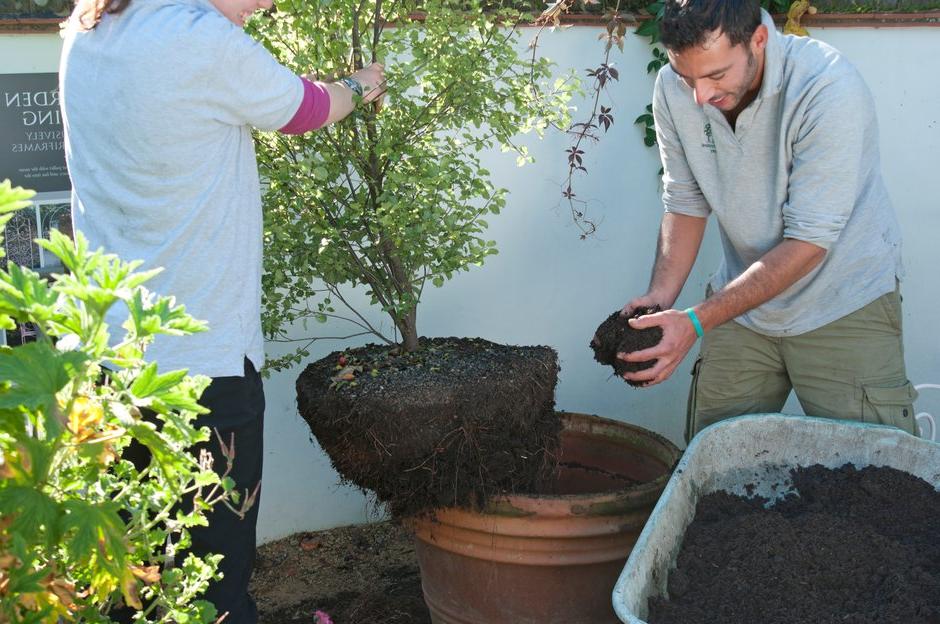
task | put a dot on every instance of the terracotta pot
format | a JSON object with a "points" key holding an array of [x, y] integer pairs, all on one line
{"points": [[551, 558]]}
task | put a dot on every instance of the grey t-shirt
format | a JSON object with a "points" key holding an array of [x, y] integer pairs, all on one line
{"points": [[803, 163], [158, 105]]}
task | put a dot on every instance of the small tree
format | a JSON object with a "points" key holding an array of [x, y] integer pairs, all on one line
{"points": [[82, 530], [393, 198]]}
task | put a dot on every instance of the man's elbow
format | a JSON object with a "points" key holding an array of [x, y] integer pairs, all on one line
{"points": [[811, 253]]}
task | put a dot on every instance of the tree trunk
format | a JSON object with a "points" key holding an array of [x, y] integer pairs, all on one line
{"points": [[409, 331]]}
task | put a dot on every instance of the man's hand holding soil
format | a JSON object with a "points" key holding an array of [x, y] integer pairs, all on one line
{"points": [[678, 337]]}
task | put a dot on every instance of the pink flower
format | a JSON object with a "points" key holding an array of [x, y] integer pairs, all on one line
{"points": [[322, 618]]}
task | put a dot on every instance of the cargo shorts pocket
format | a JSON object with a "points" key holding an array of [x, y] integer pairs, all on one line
{"points": [[887, 404]]}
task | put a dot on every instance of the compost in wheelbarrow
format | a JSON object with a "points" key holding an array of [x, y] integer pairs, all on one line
{"points": [[856, 545]]}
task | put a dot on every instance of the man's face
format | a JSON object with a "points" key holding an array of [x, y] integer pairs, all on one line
{"points": [[237, 11], [725, 76]]}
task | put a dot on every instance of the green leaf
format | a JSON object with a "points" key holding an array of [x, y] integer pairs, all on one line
{"points": [[151, 316], [95, 531], [26, 294], [149, 383], [39, 454], [13, 198], [648, 28], [206, 478], [181, 399], [162, 455], [33, 512], [33, 373]]}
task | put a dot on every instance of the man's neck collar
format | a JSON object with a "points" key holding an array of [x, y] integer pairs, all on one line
{"points": [[771, 72]]}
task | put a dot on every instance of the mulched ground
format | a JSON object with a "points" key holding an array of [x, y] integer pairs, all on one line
{"points": [[856, 547], [365, 574]]}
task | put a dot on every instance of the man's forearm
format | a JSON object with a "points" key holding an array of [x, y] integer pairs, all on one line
{"points": [[680, 237], [773, 273]]}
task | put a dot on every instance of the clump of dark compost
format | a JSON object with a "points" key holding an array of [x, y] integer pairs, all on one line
{"points": [[615, 336], [451, 424], [856, 545]]}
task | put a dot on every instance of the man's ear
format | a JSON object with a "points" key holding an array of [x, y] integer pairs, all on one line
{"points": [[759, 39]]}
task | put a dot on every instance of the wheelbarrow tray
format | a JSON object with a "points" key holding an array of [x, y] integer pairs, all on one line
{"points": [[757, 452]]}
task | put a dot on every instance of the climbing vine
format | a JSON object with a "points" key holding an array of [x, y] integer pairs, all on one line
{"points": [[600, 116]]}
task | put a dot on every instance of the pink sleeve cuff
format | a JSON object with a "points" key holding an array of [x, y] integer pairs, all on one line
{"points": [[313, 110]]}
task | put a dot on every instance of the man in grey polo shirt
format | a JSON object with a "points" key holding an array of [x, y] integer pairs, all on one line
{"points": [[777, 136]]}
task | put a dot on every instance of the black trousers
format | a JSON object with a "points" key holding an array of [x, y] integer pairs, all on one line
{"points": [[237, 407]]}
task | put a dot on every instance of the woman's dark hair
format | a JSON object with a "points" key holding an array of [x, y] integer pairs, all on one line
{"points": [[687, 23], [89, 12]]}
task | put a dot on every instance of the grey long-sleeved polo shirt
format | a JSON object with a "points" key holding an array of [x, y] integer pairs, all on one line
{"points": [[803, 163]]}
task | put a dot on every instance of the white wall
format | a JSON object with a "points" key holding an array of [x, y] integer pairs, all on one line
{"points": [[547, 286], [22, 54]]}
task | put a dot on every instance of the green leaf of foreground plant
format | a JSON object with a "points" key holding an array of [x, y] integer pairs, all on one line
{"points": [[170, 462], [149, 382], [63, 247], [32, 512], [25, 292], [180, 400], [33, 373], [161, 316], [182, 397], [13, 198], [95, 531], [35, 458]]}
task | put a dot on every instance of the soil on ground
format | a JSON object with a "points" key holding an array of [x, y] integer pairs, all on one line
{"points": [[615, 336], [365, 574], [452, 424], [855, 547]]}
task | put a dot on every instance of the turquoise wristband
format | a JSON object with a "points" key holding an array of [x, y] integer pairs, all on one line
{"points": [[695, 322]]}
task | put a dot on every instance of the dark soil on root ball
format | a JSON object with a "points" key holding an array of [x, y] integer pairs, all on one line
{"points": [[451, 424], [615, 336], [855, 547]]}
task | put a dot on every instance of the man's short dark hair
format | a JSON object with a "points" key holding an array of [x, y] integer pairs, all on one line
{"points": [[687, 23]]}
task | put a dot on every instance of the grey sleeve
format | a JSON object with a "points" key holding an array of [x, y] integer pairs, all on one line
{"points": [[252, 88], [831, 155], [681, 192]]}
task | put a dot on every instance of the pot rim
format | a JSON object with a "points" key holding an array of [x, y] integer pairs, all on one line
{"points": [[598, 504], [667, 453]]}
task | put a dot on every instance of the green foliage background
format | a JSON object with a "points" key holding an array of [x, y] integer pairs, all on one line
{"points": [[396, 199]]}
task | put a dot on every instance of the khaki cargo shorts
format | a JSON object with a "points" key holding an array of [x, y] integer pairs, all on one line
{"points": [[852, 368]]}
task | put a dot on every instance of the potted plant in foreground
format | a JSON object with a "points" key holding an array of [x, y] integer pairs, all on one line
{"points": [[83, 531], [394, 200]]}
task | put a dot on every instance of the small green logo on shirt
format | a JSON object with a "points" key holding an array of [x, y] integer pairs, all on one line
{"points": [[709, 142]]}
